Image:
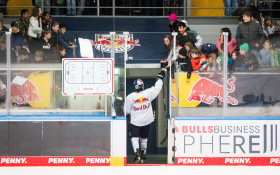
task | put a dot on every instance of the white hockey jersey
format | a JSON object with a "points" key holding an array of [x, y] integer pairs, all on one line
{"points": [[139, 105]]}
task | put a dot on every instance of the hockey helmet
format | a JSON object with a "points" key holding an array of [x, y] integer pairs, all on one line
{"points": [[138, 84]]}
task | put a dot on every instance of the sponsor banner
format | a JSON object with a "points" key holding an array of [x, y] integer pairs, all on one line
{"points": [[243, 90], [247, 161], [54, 161], [227, 139], [103, 43]]}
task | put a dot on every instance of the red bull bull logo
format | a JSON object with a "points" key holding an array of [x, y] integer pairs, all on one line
{"points": [[25, 93], [206, 90], [173, 99], [141, 102], [103, 43]]}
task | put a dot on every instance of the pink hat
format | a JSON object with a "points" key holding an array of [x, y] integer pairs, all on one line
{"points": [[172, 17]]}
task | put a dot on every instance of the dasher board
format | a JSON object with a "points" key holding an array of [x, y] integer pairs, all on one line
{"points": [[91, 76]]}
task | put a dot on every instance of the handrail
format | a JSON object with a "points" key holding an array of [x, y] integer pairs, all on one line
{"points": [[186, 7]]}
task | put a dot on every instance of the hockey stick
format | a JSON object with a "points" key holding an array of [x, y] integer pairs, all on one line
{"points": [[166, 129]]}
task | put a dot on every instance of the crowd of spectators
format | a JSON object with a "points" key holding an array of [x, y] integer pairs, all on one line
{"points": [[34, 39], [255, 46]]}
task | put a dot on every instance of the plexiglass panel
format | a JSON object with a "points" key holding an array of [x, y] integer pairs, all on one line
{"points": [[36, 73]]}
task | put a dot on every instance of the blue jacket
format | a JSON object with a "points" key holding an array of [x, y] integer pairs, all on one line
{"points": [[62, 40], [266, 58]]}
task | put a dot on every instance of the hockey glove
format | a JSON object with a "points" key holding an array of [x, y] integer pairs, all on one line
{"points": [[161, 75]]}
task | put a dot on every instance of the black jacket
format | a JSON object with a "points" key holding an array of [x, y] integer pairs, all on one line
{"points": [[181, 39], [251, 33]]}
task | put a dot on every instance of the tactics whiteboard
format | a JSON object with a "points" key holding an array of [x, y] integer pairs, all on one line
{"points": [[87, 76]]}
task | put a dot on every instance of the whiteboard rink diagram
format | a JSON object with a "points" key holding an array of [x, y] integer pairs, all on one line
{"points": [[92, 76]]}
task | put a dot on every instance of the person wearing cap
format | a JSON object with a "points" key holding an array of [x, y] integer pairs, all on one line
{"points": [[16, 33], [173, 23], [139, 114], [3, 29], [251, 61]]}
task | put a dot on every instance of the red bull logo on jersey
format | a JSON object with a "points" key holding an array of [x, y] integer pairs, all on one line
{"points": [[27, 92], [103, 43], [141, 101], [206, 90]]}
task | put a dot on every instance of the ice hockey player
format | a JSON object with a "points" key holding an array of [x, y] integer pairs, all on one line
{"points": [[140, 113]]}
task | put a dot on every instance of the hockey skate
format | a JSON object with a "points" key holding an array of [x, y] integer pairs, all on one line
{"points": [[143, 157], [137, 158]]}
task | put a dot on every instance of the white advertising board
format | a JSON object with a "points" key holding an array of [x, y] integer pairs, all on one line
{"points": [[227, 142]]}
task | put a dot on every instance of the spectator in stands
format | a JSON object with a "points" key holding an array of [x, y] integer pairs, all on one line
{"points": [[15, 50], [3, 47], [256, 15], [250, 59], [46, 20], [276, 53], [173, 23], [189, 46], [232, 44], [46, 4], [238, 63], [16, 33], [221, 56], [168, 49], [57, 3], [3, 29], [34, 29], [184, 61], [230, 6], [23, 56], [81, 5], [198, 60], [39, 57], [54, 40], [183, 35], [240, 21], [58, 53], [3, 6], [251, 33], [71, 7], [39, 3], [61, 39], [150, 11], [23, 24], [266, 54], [45, 45], [268, 27], [198, 38], [214, 65]]}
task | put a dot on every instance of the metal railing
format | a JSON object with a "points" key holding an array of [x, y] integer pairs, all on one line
{"points": [[132, 8]]}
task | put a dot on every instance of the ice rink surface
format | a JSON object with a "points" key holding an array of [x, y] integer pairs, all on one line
{"points": [[142, 170]]}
